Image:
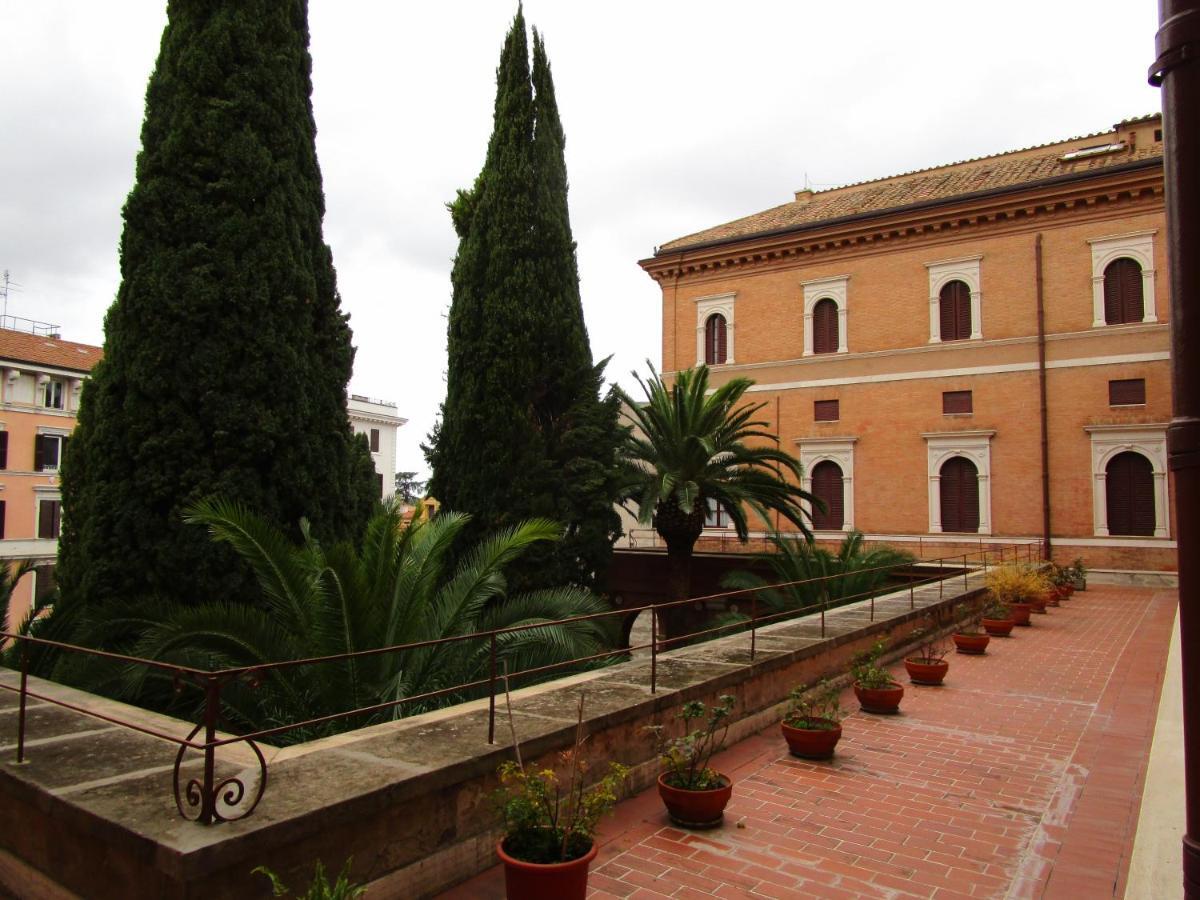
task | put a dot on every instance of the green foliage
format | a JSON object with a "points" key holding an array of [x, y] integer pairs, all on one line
{"points": [[866, 671], [853, 572], [1078, 570], [320, 889], [932, 645], [814, 707], [408, 488], [13, 573], [543, 824], [398, 586], [686, 758], [524, 430], [996, 608], [226, 354]]}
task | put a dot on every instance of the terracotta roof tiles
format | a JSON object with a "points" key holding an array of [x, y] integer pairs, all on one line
{"points": [[21, 347]]}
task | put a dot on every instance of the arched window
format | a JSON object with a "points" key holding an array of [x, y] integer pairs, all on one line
{"points": [[954, 304], [960, 495], [714, 340], [825, 326], [827, 486], [1123, 301], [1129, 480]]}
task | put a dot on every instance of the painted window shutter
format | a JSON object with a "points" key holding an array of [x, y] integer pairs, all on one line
{"points": [[3, 516], [827, 485], [960, 495], [954, 311], [3, 449], [825, 327], [715, 352], [956, 402], [38, 453], [1127, 392], [1129, 486], [1123, 300]]}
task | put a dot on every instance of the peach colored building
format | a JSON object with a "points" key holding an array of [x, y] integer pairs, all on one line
{"points": [[975, 353], [40, 380]]}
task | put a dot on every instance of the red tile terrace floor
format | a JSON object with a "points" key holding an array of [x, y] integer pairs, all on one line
{"points": [[1021, 777]]}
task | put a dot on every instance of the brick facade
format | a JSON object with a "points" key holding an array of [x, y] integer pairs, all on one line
{"points": [[887, 244]]}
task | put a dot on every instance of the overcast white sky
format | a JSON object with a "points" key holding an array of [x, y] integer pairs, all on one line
{"points": [[678, 115]]}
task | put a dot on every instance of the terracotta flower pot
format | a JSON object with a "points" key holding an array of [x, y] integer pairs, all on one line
{"points": [[1039, 603], [1068, 590], [695, 809], [922, 671], [545, 881], [879, 700], [1020, 613], [1056, 595], [998, 627], [812, 743], [971, 644]]}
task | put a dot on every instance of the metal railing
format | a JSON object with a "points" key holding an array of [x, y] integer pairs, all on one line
{"points": [[208, 799]]}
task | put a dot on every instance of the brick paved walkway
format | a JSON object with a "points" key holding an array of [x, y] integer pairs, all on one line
{"points": [[1021, 777]]}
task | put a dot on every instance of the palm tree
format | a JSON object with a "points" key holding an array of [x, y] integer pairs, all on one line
{"points": [[689, 447], [397, 589], [13, 573], [852, 572]]}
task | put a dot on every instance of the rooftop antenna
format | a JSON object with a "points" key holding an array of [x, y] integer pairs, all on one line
{"points": [[8, 285]]}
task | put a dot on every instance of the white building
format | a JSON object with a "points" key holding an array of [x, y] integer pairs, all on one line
{"points": [[377, 419]]}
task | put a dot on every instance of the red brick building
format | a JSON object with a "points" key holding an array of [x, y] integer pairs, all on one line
{"points": [[903, 333]]}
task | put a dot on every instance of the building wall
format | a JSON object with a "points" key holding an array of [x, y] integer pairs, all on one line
{"points": [[367, 415], [889, 383]]}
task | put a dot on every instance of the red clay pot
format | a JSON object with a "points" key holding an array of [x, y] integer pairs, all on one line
{"points": [[921, 671], [1020, 613], [879, 700], [971, 644], [695, 809], [812, 743], [1056, 595], [998, 627], [1039, 603], [1068, 590], [545, 881]]}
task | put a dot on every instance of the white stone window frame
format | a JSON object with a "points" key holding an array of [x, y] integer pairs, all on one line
{"points": [[839, 450], [62, 434], [973, 445], [967, 270], [708, 306], [833, 288], [1148, 440], [1138, 246]]}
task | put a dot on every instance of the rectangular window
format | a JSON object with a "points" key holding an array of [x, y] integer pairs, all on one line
{"points": [[715, 515], [374, 440], [3, 516], [52, 395], [956, 403], [3, 449], [379, 483], [49, 518], [825, 410], [48, 452], [1127, 392]]}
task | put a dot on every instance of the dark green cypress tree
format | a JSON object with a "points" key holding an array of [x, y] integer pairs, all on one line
{"points": [[226, 352], [524, 430]]}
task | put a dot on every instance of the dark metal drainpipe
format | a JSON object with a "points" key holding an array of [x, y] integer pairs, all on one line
{"points": [[1041, 326], [1177, 70]]}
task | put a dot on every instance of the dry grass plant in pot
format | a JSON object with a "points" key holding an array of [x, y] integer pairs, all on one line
{"points": [[694, 793], [1014, 585], [969, 637], [812, 723], [550, 822], [928, 665], [877, 691]]}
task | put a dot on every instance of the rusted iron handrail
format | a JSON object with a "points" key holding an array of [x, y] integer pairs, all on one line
{"points": [[207, 801]]}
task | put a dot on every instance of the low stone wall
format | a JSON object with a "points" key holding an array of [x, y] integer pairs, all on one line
{"points": [[408, 800]]}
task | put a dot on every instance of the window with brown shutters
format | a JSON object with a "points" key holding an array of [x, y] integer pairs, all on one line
{"points": [[825, 410], [827, 487], [1127, 392], [49, 518], [956, 403], [825, 326], [1123, 301], [3, 516], [954, 305], [960, 495], [3, 449], [374, 440], [1129, 489], [714, 340]]}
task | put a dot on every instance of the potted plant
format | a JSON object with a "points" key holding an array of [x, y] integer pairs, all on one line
{"points": [[1078, 575], [876, 689], [1014, 586], [812, 723], [1060, 583], [550, 827], [928, 666], [694, 793], [969, 637], [997, 618]]}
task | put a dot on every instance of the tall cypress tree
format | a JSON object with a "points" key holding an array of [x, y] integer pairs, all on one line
{"points": [[226, 353], [524, 430]]}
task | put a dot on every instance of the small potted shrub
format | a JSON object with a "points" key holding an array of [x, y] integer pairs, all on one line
{"points": [[1078, 575], [928, 665], [876, 690], [1015, 585], [969, 637], [997, 618], [1060, 584], [695, 794], [550, 828], [812, 724]]}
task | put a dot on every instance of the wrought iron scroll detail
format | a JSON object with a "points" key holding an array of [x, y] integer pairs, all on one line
{"points": [[221, 801]]}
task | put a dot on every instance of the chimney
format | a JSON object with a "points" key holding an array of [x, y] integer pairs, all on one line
{"points": [[804, 195]]}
